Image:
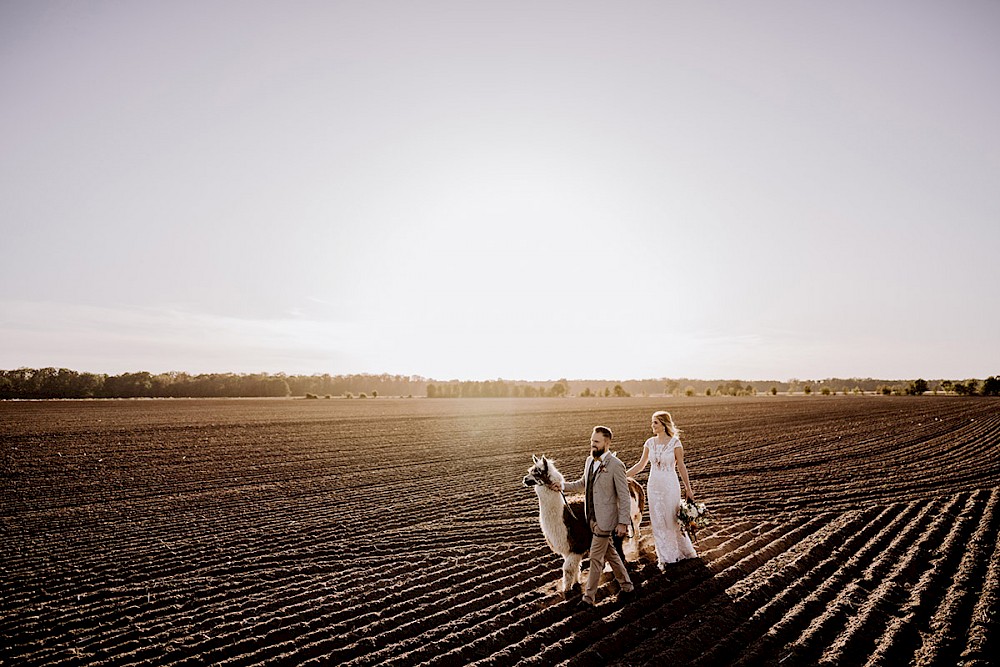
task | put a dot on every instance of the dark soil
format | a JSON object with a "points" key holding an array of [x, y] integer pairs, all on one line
{"points": [[850, 531]]}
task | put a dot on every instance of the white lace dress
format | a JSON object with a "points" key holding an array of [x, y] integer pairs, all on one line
{"points": [[664, 491]]}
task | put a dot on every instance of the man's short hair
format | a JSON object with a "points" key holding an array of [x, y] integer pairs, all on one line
{"points": [[605, 431]]}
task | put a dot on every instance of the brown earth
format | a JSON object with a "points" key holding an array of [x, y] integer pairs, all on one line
{"points": [[849, 531]]}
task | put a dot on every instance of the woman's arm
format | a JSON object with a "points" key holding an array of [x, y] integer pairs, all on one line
{"points": [[682, 469], [640, 465]]}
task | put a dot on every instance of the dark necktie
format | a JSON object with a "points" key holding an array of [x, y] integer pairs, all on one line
{"points": [[591, 516]]}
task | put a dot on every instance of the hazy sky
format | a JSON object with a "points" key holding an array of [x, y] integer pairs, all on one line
{"points": [[527, 190]]}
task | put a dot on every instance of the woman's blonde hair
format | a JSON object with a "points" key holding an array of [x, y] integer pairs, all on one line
{"points": [[664, 418]]}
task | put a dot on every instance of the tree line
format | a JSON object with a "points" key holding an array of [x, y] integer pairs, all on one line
{"points": [[29, 383], [507, 389], [42, 383]]}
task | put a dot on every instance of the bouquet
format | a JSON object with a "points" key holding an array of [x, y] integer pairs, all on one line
{"points": [[692, 516]]}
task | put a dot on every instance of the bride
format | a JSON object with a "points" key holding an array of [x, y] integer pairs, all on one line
{"points": [[666, 453]]}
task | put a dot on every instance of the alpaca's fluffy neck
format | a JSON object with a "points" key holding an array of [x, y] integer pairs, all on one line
{"points": [[547, 496], [550, 516], [550, 508]]}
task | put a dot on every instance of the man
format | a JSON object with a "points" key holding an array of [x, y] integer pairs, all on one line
{"points": [[607, 508]]}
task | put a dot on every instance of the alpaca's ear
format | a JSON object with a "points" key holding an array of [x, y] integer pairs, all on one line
{"points": [[534, 458], [545, 464]]}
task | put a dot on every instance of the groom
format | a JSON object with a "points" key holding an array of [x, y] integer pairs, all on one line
{"points": [[607, 508]]}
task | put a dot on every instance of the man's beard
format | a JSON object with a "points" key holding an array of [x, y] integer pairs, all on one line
{"points": [[597, 453]]}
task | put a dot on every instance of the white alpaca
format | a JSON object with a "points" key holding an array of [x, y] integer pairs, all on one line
{"points": [[564, 524]]}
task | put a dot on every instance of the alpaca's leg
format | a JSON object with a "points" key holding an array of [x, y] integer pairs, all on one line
{"points": [[634, 540], [567, 579], [571, 571]]}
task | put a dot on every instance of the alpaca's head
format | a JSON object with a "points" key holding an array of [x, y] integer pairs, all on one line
{"points": [[542, 473]]}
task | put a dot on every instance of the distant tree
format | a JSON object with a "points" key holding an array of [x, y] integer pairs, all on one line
{"points": [[917, 387], [432, 390], [607, 392], [558, 390], [85, 385], [689, 391], [374, 393], [362, 395], [967, 388], [807, 390], [884, 389], [825, 391], [708, 391], [991, 386], [311, 395], [134, 385], [348, 394], [947, 386], [620, 392], [586, 393], [774, 391]]}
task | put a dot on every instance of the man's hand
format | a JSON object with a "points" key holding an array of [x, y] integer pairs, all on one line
{"points": [[621, 530], [554, 486]]}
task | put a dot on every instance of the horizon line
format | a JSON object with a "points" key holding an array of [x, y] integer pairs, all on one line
{"points": [[419, 377]]}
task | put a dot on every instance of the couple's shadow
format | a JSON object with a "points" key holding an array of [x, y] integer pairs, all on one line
{"points": [[645, 573], [666, 617]]}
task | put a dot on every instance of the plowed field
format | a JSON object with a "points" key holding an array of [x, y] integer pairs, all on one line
{"points": [[850, 531]]}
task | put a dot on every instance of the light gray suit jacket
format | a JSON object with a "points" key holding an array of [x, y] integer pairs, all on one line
{"points": [[612, 504]]}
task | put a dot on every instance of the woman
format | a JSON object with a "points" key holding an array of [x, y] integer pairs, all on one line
{"points": [[666, 453]]}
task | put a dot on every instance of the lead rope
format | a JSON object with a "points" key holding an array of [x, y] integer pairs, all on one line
{"points": [[566, 502]]}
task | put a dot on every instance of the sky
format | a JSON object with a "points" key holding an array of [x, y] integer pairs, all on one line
{"points": [[518, 190]]}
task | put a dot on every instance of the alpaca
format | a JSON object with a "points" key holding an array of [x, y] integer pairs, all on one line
{"points": [[564, 524]]}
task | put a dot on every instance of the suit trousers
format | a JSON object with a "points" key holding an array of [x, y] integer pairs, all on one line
{"points": [[601, 550]]}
